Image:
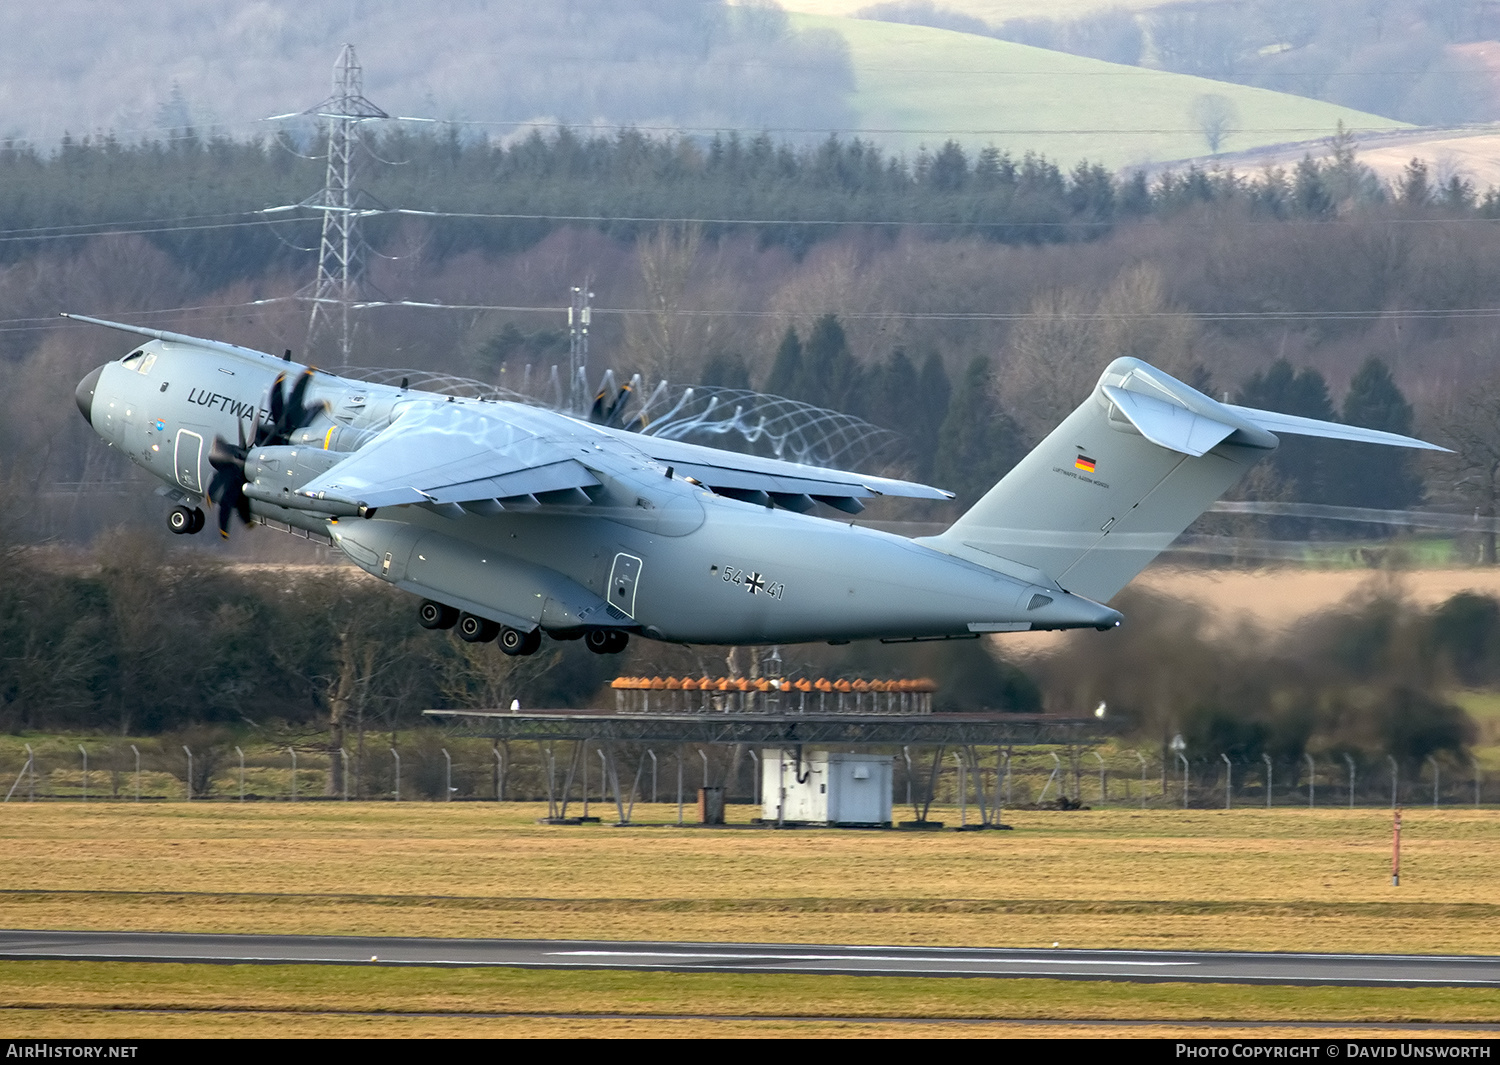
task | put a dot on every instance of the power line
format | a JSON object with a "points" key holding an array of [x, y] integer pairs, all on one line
{"points": [[1421, 314]]}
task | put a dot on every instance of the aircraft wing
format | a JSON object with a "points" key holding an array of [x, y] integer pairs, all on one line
{"points": [[450, 453], [460, 453], [750, 473]]}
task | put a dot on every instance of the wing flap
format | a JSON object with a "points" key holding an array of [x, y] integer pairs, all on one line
{"points": [[449, 453], [554, 477], [726, 469], [717, 477]]}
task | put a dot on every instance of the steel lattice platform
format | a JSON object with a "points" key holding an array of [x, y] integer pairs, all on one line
{"points": [[867, 730]]}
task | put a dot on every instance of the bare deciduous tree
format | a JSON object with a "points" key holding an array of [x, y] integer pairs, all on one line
{"points": [[663, 340], [1215, 116], [1470, 425], [1057, 351]]}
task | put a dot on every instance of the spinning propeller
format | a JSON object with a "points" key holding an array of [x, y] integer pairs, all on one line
{"points": [[611, 412], [607, 413], [285, 414]]}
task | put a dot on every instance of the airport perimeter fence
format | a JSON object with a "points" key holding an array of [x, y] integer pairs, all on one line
{"points": [[435, 767]]}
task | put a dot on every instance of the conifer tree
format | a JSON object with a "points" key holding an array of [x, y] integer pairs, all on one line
{"points": [[1382, 477], [786, 371], [927, 407], [1302, 464], [830, 376], [978, 442], [726, 370]]}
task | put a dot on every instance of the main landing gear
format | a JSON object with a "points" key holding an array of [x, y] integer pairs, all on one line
{"points": [[517, 643], [474, 629], [606, 641], [183, 521], [432, 615]]}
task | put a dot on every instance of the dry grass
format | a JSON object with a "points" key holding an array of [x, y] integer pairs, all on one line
{"points": [[115, 1024], [1285, 879], [1275, 598], [134, 999], [1288, 879]]}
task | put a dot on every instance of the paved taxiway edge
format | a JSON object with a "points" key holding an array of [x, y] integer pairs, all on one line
{"points": [[1135, 966]]}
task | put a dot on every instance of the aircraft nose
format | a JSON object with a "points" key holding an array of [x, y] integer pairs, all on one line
{"points": [[85, 394]]}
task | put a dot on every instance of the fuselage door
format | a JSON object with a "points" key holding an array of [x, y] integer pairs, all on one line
{"points": [[189, 460], [623, 577]]}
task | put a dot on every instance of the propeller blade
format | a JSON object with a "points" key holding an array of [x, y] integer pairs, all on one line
{"points": [[296, 413], [277, 401], [227, 488], [618, 406]]}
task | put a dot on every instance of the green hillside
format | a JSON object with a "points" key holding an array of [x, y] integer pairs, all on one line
{"points": [[992, 11], [917, 86]]}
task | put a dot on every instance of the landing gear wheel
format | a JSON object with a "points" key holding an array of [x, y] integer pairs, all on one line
{"points": [[606, 641], [432, 615], [198, 521], [472, 629], [180, 520], [518, 643]]}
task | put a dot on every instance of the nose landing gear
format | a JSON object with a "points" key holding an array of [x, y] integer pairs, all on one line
{"points": [[182, 521]]}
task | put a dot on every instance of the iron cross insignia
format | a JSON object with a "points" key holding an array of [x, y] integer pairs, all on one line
{"points": [[754, 583]]}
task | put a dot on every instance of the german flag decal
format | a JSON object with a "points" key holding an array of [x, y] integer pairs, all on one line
{"points": [[1084, 463]]}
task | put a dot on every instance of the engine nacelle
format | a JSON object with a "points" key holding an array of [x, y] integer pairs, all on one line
{"points": [[273, 474]]}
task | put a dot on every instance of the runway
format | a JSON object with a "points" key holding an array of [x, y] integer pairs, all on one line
{"points": [[1124, 965]]}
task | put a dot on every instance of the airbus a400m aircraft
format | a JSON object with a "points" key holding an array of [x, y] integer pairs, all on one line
{"points": [[511, 520]]}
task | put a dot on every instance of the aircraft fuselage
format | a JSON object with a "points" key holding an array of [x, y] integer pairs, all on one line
{"points": [[646, 551]]}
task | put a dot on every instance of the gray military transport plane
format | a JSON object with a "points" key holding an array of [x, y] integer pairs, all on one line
{"points": [[510, 520]]}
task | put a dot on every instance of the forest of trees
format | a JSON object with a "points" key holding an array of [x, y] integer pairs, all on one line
{"points": [[964, 303], [197, 199]]}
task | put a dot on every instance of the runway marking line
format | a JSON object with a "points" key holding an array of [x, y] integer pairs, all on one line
{"points": [[845, 957]]}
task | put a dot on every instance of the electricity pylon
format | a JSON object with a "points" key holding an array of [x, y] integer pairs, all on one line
{"points": [[342, 252], [580, 311]]}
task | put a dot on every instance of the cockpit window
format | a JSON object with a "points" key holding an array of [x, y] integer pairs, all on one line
{"points": [[139, 361]]}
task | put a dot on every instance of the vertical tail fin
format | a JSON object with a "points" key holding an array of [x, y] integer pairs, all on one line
{"points": [[1112, 486]]}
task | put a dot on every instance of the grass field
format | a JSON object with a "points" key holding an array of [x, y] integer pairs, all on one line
{"points": [[992, 11], [918, 86], [1284, 880], [104, 1000], [1287, 879]]}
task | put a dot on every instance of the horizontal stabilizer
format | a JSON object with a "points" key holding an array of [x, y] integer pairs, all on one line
{"points": [[1168, 425], [1291, 424]]}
